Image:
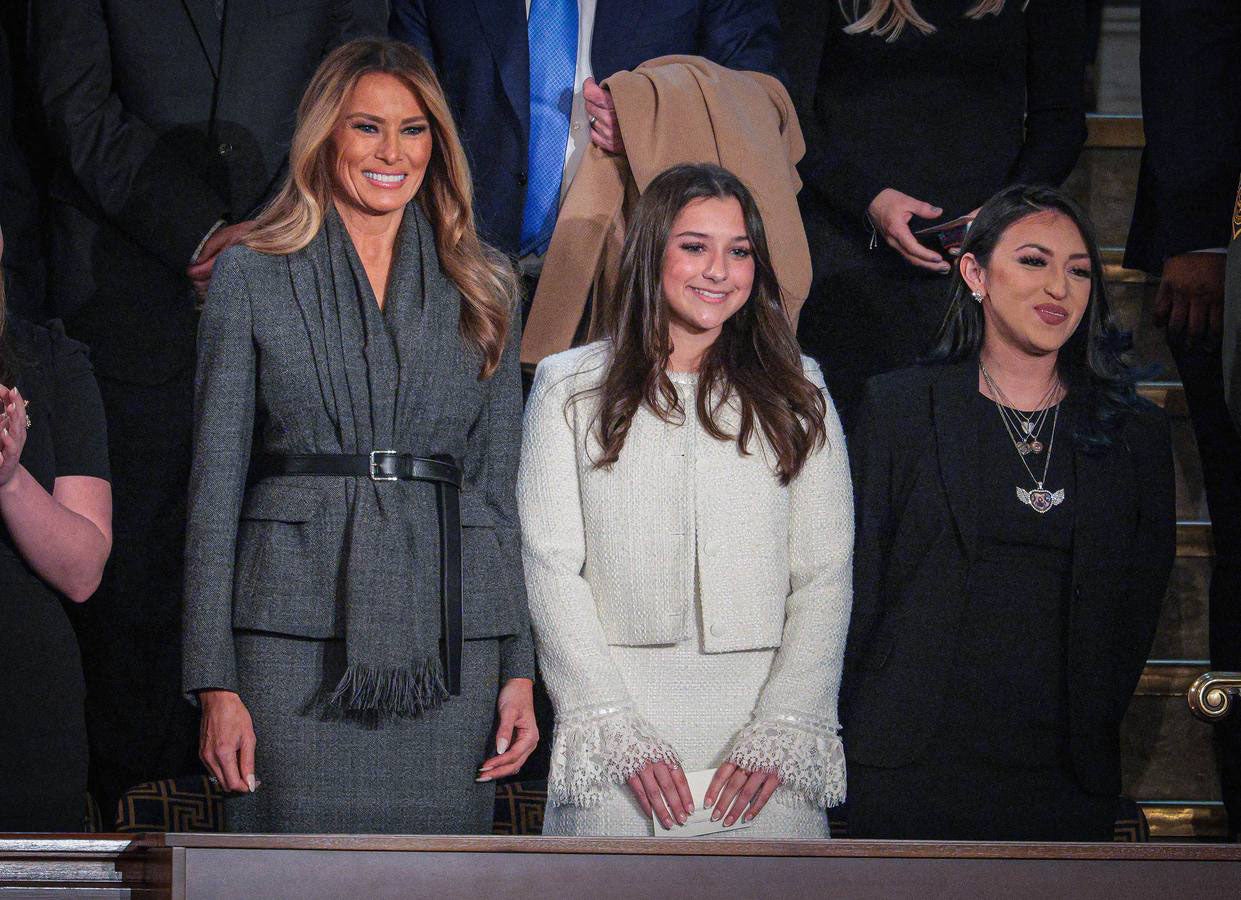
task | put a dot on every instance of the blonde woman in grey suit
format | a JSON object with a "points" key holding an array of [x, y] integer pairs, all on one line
{"points": [[687, 526], [357, 424]]}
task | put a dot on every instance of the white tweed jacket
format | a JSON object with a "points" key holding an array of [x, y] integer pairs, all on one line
{"points": [[614, 557]]}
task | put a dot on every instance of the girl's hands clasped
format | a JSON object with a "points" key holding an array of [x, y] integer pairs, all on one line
{"points": [[733, 789], [13, 425]]}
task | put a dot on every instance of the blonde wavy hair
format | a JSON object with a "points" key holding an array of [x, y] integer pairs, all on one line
{"points": [[485, 278], [888, 18]]}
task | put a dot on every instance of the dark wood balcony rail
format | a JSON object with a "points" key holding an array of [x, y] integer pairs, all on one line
{"points": [[308, 867]]}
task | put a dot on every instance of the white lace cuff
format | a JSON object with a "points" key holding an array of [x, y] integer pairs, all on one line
{"points": [[808, 755], [594, 748]]}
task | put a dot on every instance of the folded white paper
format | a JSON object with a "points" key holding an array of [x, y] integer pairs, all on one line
{"points": [[699, 823]]}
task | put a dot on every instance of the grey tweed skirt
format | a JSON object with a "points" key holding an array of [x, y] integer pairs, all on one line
{"points": [[324, 773]]}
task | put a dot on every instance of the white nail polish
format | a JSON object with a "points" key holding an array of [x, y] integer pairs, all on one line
{"points": [[501, 745], [484, 778], [252, 783]]}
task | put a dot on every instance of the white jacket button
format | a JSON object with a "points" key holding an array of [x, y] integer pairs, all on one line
{"points": [[717, 629]]}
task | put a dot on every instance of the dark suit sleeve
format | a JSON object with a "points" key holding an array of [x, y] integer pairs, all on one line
{"points": [[498, 442], [1154, 548], [1191, 109], [141, 186], [1232, 321], [223, 427], [360, 18], [742, 35], [19, 208], [1055, 107], [408, 23]]}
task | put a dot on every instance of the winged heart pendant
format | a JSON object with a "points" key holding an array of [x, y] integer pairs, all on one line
{"points": [[1040, 500]]}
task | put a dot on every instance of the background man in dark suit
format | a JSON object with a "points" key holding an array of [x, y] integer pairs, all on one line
{"points": [[19, 204], [1232, 318], [1191, 106], [481, 50], [170, 122]]}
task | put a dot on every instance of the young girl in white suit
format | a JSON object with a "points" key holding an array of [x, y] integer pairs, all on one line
{"points": [[687, 528]]}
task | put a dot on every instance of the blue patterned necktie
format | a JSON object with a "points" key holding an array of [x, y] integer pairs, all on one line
{"points": [[552, 30]]}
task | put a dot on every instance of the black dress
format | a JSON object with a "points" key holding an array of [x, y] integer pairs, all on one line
{"points": [[43, 754], [949, 118], [998, 767]]}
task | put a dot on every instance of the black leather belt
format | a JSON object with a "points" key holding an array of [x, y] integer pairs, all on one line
{"points": [[389, 465]]}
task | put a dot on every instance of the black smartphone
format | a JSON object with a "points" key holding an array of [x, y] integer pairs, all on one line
{"points": [[946, 237]]}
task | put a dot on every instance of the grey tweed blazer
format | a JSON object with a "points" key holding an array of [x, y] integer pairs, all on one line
{"points": [[270, 558]]}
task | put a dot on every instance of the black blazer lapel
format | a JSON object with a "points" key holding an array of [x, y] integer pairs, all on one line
{"points": [[504, 26], [956, 441], [201, 14], [242, 19]]}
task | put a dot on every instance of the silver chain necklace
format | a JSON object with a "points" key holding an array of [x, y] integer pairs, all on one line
{"points": [[1031, 426], [1040, 499]]}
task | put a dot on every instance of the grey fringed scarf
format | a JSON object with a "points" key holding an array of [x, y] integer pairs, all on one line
{"points": [[366, 363]]}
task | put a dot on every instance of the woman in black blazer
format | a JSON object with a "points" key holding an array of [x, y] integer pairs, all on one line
{"points": [[1015, 533], [923, 110]]}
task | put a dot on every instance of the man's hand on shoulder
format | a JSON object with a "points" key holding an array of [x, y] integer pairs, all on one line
{"points": [[221, 239]]}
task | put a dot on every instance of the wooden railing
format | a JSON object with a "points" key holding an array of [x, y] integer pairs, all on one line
{"points": [[307, 867]]}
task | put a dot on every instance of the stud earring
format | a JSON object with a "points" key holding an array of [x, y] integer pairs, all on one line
{"points": [[977, 295]]}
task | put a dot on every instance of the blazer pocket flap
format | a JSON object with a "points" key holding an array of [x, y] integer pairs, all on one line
{"points": [[475, 512], [281, 503]]}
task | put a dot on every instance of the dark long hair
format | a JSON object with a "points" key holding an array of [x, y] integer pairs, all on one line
{"points": [[755, 359], [1094, 360]]}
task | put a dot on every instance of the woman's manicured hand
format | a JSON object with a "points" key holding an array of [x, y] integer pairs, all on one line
{"points": [[226, 741], [517, 734]]}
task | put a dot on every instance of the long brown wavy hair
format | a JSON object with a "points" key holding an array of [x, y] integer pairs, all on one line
{"points": [[485, 278], [755, 362], [888, 18]]}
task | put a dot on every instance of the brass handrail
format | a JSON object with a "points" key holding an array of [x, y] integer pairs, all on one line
{"points": [[1211, 695]]}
